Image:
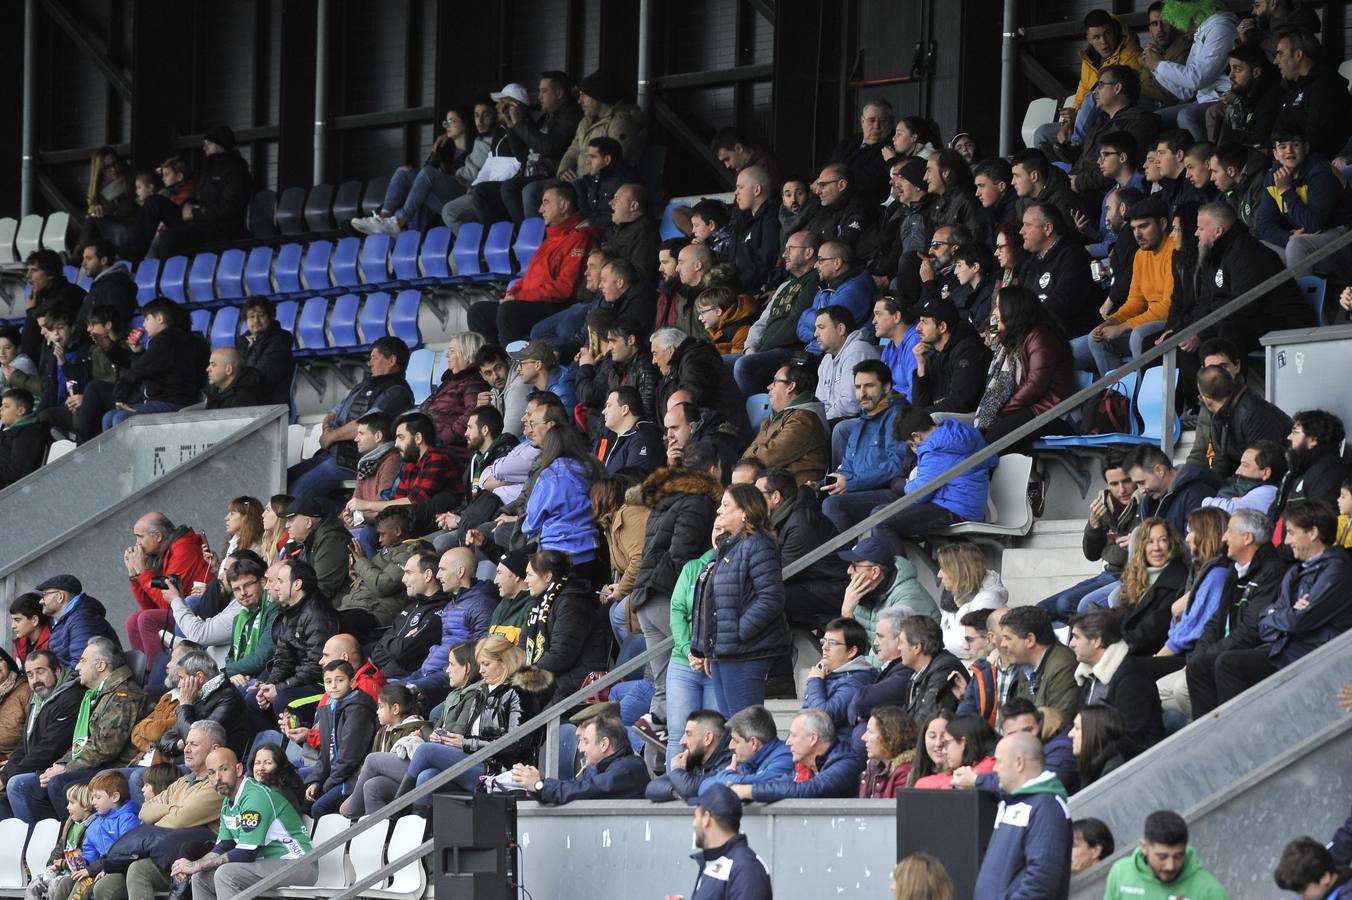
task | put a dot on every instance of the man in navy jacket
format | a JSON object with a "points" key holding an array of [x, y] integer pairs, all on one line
{"points": [[832, 766], [729, 868], [841, 673], [630, 441], [1029, 853], [613, 771]]}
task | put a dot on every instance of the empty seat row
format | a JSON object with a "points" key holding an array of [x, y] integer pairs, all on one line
{"points": [[326, 326], [317, 209], [20, 238]]}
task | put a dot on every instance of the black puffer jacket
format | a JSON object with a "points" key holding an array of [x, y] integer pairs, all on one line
{"points": [[500, 710], [566, 635], [683, 503], [172, 368], [224, 188], [271, 355], [801, 528], [221, 703], [698, 368], [413, 633], [930, 690], [298, 636], [1145, 624]]}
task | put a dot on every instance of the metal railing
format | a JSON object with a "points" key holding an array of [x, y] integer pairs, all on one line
{"points": [[550, 716]]}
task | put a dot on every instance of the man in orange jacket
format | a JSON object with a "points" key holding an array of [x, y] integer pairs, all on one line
{"points": [[550, 282]]}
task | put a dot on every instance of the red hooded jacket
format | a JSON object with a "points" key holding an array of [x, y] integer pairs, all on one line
{"points": [[184, 559], [556, 269]]}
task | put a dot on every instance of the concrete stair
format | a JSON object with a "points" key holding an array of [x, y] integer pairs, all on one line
{"points": [[783, 711], [1048, 560]]}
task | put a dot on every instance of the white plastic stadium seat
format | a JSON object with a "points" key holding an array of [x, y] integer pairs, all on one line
{"points": [[12, 834], [54, 232], [41, 843], [410, 882], [1009, 494], [9, 227], [30, 235], [295, 442], [1040, 112], [59, 449], [365, 852], [1345, 70]]}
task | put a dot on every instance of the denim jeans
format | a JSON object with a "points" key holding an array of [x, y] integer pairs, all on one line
{"points": [[457, 212], [418, 196], [854, 506], [430, 760], [318, 476], [32, 802], [739, 683], [1108, 355], [618, 612], [563, 329], [1191, 116], [116, 417], [753, 371], [1100, 598], [1061, 606], [687, 691]]}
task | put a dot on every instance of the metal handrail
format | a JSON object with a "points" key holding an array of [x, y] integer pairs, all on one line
{"points": [[845, 538], [848, 536], [544, 718]]}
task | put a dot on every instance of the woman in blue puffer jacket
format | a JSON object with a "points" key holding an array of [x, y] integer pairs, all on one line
{"points": [[738, 626], [558, 509]]}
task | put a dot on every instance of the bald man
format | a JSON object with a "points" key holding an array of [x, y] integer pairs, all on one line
{"points": [[692, 269], [755, 229], [231, 384], [1029, 853], [844, 214], [260, 832], [161, 549]]}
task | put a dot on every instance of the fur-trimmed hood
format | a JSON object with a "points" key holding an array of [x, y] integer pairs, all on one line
{"points": [[676, 480], [633, 496], [533, 680]]}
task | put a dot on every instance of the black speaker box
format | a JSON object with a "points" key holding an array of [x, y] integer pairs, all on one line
{"points": [[474, 847], [954, 826]]}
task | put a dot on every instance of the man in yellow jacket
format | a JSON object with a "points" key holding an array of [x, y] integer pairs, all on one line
{"points": [[1107, 43]]}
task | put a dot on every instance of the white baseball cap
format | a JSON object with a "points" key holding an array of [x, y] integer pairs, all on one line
{"points": [[512, 91]]}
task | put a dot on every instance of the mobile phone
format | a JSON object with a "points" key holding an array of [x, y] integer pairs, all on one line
{"points": [[292, 721], [441, 732]]}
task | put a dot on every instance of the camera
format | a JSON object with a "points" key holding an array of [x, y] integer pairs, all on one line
{"points": [[160, 582]]}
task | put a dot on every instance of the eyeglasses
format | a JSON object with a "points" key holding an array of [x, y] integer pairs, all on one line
{"points": [[1099, 84], [934, 244], [822, 259], [796, 247], [827, 643], [821, 184], [1104, 154]]}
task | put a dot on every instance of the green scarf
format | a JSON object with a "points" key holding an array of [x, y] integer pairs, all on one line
{"points": [[81, 736], [246, 631]]}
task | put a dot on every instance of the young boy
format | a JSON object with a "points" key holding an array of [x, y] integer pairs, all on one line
{"points": [[347, 726], [78, 813], [113, 817]]}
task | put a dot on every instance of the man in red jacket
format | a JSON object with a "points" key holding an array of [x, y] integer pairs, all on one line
{"points": [[550, 282], [161, 550]]}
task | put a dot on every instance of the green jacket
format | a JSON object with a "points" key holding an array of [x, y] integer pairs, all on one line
{"points": [[1056, 684], [247, 658], [509, 616], [683, 607], [1131, 877], [379, 586], [118, 706], [905, 590]]}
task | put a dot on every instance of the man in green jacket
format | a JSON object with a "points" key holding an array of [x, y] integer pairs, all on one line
{"points": [[1163, 866], [251, 634], [1045, 666]]}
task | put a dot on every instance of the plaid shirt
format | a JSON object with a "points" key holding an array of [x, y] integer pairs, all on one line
{"points": [[430, 474]]}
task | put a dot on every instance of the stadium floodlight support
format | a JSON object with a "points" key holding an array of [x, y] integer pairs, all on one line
{"points": [[1009, 70], [27, 176], [321, 91], [645, 60]]}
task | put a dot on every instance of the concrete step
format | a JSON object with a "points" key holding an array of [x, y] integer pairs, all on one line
{"points": [[1033, 574], [783, 711], [1054, 534]]}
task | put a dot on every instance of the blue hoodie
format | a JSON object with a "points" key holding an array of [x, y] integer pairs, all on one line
{"points": [[855, 293], [949, 444], [835, 693], [104, 830], [774, 760], [559, 513], [1029, 853]]}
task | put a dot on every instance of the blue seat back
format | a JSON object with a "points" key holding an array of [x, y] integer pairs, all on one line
{"points": [[286, 272], [375, 258], [374, 313], [668, 229], [147, 276], [286, 315], [72, 274], [405, 258], [435, 249], [404, 318], [201, 320], [345, 262], [466, 250], [758, 409], [419, 373], [1313, 287], [225, 327], [310, 328], [291, 211], [172, 277], [258, 271], [343, 322], [316, 265], [1150, 404], [528, 241], [230, 275], [498, 249], [202, 278]]}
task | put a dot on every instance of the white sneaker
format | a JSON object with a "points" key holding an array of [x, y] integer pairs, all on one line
{"points": [[367, 224], [387, 225]]}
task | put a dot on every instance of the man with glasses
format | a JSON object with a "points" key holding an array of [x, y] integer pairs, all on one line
{"points": [[76, 617], [1116, 93], [936, 267], [844, 214], [793, 436], [840, 286], [862, 153], [843, 671], [773, 337]]}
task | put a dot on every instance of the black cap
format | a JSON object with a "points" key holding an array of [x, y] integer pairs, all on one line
{"points": [[1152, 207], [305, 506], [68, 583], [515, 561], [913, 170], [718, 799], [222, 136], [939, 310], [600, 87]]}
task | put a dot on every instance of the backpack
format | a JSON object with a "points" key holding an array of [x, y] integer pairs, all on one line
{"points": [[1109, 414]]}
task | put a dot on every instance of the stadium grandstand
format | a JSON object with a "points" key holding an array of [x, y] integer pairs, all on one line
{"points": [[707, 450]]}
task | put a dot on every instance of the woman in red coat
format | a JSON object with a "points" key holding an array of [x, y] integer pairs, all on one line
{"points": [[890, 740], [1033, 369]]}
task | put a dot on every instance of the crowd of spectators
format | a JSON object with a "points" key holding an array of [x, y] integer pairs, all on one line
{"points": [[900, 309]]}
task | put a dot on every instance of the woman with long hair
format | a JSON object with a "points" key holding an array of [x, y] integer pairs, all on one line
{"points": [[970, 743], [512, 694], [921, 876], [738, 626], [1091, 842], [1191, 612], [1155, 576], [1096, 741], [889, 740], [948, 175], [930, 749], [269, 766], [275, 535], [1009, 254], [1032, 370], [243, 529], [558, 512], [968, 585], [564, 634], [619, 511], [416, 196], [913, 136]]}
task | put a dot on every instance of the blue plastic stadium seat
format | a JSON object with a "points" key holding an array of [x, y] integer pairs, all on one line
{"points": [[343, 323], [315, 268], [258, 272], [405, 257], [147, 276], [404, 318], [419, 373], [310, 328], [375, 258], [435, 250], [344, 265], [286, 315], [225, 327], [201, 320], [374, 314], [230, 275], [757, 409], [498, 249], [528, 241], [202, 278], [286, 271], [466, 252], [1314, 287], [72, 274], [668, 228], [172, 277]]}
